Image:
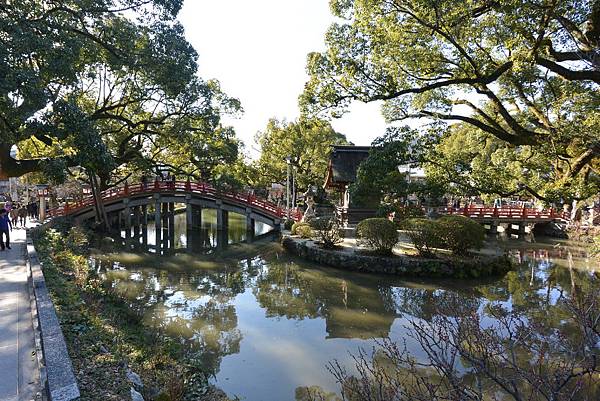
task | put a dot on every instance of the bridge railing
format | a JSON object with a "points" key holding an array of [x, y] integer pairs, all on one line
{"points": [[508, 213], [170, 187]]}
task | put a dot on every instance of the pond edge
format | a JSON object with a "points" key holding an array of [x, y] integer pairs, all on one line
{"points": [[473, 267]]}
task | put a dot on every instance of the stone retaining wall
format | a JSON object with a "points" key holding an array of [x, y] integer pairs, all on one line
{"points": [[478, 266]]}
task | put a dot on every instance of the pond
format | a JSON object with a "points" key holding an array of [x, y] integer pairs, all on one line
{"points": [[266, 324]]}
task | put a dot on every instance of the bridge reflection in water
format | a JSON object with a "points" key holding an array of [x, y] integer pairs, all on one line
{"points": [[202, 233]]}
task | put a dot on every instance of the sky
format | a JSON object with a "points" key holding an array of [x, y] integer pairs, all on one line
{"points": [[257, 50]]}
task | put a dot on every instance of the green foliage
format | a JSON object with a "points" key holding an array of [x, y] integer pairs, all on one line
{"points": [[401, 212], [460, 234], [379, 178], [296, 225], [304, 231], [112, 88], [424, 234], [478, 163], [525, 79], [378, 234], [328, 231], [77, 240], [306, 142]]}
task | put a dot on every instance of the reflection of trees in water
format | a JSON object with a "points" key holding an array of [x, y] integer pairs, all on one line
{"points": [[469, 358], [425, 303], [537, 338], [195, 308], [351, 309]]}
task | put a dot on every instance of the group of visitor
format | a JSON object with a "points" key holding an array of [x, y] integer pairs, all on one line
{"points": [[14, 215]]}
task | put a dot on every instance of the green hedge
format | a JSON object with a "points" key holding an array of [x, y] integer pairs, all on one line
{"points": [[424, 234], [297, 225], [460, 234], [304, 231], [379, 234]]}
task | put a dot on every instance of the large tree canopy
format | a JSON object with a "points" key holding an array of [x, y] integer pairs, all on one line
{"points": [[307, 144], [525, 72], [97, 84]]}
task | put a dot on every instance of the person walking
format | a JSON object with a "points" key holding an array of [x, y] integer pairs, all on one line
{"points": [[23, 215], [5, 224], [14, 215]]}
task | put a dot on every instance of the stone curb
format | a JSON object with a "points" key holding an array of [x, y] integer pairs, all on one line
{"points": [[60, 379], [39, 352]]}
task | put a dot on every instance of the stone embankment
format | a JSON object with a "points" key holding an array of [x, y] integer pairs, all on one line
{"points": [[472, 267]]}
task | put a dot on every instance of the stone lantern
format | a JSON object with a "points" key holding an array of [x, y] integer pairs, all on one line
{"points": [[309, 199], [42, 190]]}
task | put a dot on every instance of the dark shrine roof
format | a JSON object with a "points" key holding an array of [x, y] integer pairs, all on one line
{"points": [[343, 164]]}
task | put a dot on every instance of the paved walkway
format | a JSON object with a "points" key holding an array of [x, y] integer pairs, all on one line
{"points": [[19, 373]]}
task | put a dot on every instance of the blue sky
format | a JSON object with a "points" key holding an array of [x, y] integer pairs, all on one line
{"points": [[257, 50]]}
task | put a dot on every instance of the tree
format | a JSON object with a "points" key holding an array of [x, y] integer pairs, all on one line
{"points": [[476, 162], [379, 178], [307, 143], [98, 84], [521, 71]]}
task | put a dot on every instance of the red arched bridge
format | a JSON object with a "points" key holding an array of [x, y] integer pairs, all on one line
{"points": [[132, 200]]}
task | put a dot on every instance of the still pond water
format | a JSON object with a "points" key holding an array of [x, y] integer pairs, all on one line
{"points": [[266, 324]]}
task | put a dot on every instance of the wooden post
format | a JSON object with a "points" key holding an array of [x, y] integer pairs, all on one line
{"points": [[157, 223], [136, 221], [250, 226], [171, 206], [222, 228], [165, 225], [494, 227], [127, 220]]}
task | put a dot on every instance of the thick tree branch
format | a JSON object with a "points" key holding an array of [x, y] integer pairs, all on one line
{"points": [[571, 75], [484, 80]]}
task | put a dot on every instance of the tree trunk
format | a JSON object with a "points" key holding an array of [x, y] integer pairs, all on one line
{"points": [[101, 216]]}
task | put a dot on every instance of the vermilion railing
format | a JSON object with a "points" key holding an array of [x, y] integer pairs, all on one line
{"points": [[512, 213], [175, 186]]}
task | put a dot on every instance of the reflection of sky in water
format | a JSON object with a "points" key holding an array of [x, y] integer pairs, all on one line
{"points": [[236, 231], [270, 324]]}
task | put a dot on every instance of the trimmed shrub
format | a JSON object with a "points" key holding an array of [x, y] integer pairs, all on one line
{"points": [[328, 231], [424, 234], [378, 234], [460, 233], [304, 231], [295, 226]]}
